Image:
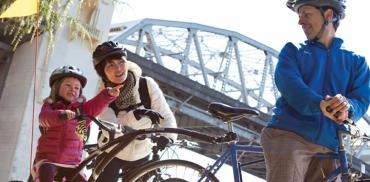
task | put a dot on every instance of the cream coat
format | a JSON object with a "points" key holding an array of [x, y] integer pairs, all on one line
{"points": [[139, 149]]}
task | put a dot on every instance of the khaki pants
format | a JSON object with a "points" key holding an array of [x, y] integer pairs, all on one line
{"points": [[289, 158]]}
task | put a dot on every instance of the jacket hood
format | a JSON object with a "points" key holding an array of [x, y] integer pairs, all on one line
{"points": [[134, 68]]}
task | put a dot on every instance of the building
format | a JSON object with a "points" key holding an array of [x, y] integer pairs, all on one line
{"points": [[17, 71]]}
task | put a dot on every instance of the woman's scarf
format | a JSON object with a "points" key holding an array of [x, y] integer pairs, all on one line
{"points": [[126, 97]]}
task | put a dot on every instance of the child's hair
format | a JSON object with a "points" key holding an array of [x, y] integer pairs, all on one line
{"points": [[56, 79]]}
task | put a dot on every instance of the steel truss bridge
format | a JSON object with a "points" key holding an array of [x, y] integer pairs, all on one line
{"points": [[196, 64]]}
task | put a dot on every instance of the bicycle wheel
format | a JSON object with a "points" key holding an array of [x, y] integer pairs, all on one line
{"points": [[171, 170]]}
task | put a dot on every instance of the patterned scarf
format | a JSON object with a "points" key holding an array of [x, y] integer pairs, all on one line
{"points": [[126, 96]]}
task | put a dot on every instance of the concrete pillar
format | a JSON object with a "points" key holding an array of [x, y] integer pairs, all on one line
{"points": [[17, 98]]}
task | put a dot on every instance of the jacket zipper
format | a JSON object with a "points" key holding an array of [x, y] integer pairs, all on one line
{"points": [[321, 118], [61, 149]]}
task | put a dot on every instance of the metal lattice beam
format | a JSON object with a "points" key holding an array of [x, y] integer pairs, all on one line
{"points": [[226, 61]]}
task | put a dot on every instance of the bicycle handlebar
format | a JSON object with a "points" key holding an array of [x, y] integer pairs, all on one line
{"points": [[133, 132], [63, 116], [100, 124], [348, 121]]}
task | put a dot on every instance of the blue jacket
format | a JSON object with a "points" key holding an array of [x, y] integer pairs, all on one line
{"points": [[304, 75]]}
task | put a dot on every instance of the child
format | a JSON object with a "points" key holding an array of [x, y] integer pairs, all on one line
{"points": [[60, 145]]}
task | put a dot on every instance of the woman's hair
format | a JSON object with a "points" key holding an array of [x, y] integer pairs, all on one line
{"points": [[54, 93]]}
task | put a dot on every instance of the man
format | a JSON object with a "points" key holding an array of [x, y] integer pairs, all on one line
{"points": [[321, 85]]}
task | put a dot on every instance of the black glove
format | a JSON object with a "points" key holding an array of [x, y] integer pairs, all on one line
{"points": [[163, 142], [152, 115]]}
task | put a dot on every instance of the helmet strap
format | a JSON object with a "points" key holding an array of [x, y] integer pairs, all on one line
{"points": [[323, 26]]}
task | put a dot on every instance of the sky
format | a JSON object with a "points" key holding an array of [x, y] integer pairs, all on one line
{"points": [[267, 21]]}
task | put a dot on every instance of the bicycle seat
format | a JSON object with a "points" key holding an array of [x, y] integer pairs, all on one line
{"points": [[229, 113]]}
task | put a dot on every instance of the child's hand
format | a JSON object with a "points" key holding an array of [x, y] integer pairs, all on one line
{"points": [[114, 92], [70, 114]]}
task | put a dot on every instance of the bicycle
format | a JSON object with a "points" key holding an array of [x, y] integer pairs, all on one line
{"points": [[158, 170], [97, 162], [119, 143]]}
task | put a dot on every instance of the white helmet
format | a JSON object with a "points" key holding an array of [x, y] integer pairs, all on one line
{"points": [[67, 71], [337, 5]]}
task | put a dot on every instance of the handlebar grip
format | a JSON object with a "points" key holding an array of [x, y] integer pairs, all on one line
{"points": [[63, 116], [328, 109], [347, 121]]}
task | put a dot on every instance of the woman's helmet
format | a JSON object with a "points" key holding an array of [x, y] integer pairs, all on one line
{"points": [[105, 50], [67, 71], [337, 5]]}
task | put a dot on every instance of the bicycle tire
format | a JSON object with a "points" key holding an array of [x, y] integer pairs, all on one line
{"points": [[170, 170], [102, 162]]}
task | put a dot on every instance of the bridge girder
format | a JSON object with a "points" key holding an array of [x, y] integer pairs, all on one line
{"points": [[226, 61]]}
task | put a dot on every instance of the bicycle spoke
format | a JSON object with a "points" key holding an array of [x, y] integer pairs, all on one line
{"points": [[169, 171]]}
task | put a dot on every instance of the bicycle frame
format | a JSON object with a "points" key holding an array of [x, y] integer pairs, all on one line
{"points": [[341, 156], [121, 142], [231, 153]]}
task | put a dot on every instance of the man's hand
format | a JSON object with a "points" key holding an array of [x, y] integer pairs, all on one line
{"points": [[153, 115], [336, 108], [114, 92]]}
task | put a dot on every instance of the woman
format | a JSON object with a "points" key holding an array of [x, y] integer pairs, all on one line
{"points": [[111, 64]]}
